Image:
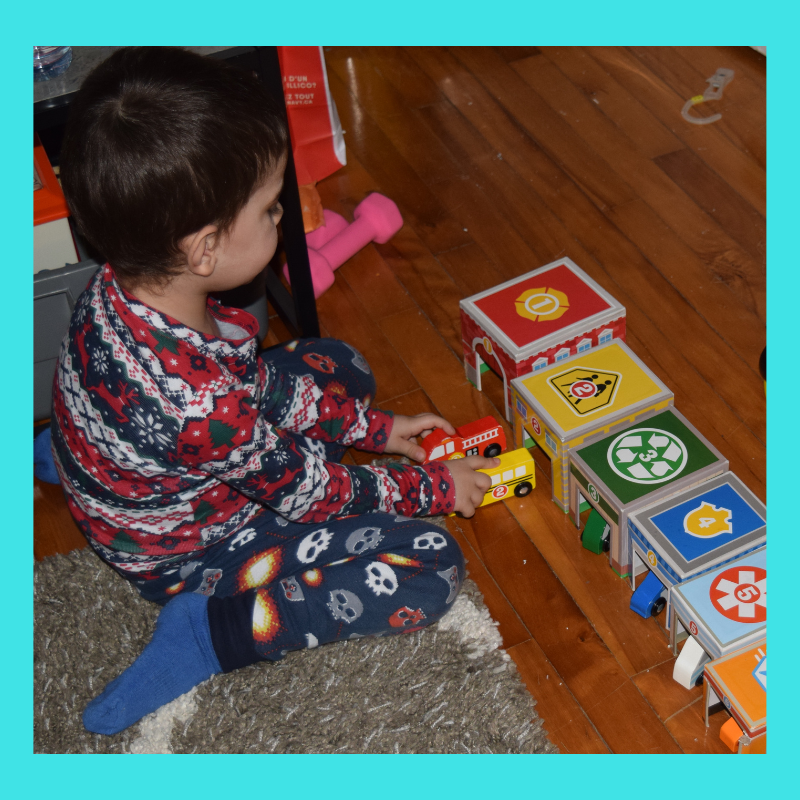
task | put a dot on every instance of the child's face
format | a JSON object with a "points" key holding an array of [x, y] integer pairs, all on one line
{"points": [[251, 241]]}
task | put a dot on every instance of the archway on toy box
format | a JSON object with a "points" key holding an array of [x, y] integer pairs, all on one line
{"points": [[491, 376], [539, 454]]}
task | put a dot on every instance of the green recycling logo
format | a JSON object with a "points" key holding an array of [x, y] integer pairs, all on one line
{"points": [[647, 455]]}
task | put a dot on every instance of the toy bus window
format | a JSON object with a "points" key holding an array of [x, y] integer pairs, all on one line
{"points": [[495, 480], [450, 447], [508, 475], [438, 452], [519, 471]]}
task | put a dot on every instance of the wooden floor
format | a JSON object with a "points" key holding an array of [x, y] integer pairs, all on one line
{"points": [[502, 160]]}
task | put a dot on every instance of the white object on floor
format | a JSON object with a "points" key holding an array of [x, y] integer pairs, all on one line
{"points": [[475, 627], [689, 665], [155, 732]]}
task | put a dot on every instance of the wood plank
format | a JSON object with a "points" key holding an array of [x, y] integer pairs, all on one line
{"points": [[511, 54], [449, 175], [688, 727], [552, 133], [567, 725], [613, 704], [663, 692], [413, 86], [434, 289], [54, 529], [700, 289], [648, 134], [436, 368], [702, 406], [417, 205], [471, 269], [736, 217], [743, 104], [686, 219], [511, 628], [603, 597], [735, 167], [513, 201], [345, 318]]}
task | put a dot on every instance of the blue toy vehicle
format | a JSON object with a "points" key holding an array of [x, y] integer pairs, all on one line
{"points": [[650, 597]]}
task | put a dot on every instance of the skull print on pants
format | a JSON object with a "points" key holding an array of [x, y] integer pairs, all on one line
{"points": [[381, 578], [363, 539], [430, 541], [345, 605], [314, 544]]}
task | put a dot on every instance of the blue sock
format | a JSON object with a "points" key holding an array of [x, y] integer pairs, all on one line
{"points": [[180, 655]]}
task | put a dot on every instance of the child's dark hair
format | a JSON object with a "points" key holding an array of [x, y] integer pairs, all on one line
{"points": [[160, 142]]}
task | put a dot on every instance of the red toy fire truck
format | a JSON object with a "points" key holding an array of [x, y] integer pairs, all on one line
{"points": [[483, 437]]}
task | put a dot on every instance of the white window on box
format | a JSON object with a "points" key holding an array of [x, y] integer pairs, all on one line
{"points": [[540, 363]]}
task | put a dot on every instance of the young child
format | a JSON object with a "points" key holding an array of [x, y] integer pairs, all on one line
{"points": [[200, 469]]}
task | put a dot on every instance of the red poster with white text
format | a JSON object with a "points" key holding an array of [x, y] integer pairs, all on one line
{"points": [[317, 137]]}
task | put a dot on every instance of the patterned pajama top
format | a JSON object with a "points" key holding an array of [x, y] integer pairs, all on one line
{"points": [[168, 441]]}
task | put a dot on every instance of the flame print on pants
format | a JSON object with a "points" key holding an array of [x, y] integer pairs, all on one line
{"points": [[260, 569], [266, 621]]}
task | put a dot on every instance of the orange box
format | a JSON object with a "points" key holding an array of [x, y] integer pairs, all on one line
{"points": [[739, 680], [53, 246]]}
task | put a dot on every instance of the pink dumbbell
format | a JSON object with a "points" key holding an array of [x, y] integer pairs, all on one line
{"points": [[334, 223], [377, 219]]}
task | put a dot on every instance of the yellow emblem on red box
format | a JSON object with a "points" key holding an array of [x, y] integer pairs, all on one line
{"points": [[542, 304]]}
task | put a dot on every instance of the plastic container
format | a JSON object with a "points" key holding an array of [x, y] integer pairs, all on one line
{"points": [[48, 62]]}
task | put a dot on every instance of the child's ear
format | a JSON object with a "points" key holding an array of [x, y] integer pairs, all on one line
{"points": [[200, 250]]}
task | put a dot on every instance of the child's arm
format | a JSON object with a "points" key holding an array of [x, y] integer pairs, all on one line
{"points": [[296, 403], [224, 435]]}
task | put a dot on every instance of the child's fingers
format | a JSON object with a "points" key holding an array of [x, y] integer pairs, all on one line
{"points": [[483, 482], [481, 462], [408, 447], [427, 423]]}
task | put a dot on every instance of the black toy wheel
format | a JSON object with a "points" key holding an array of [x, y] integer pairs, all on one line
{"points": [[522, 489], [492, 450], [658, 606]]}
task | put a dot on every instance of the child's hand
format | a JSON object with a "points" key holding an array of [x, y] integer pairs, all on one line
{"points": [[404, 429], [471, 486]]}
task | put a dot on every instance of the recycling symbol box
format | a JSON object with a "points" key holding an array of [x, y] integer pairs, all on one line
{"points": [[561, 406], [696, 530], [537, 319], [636, 465]]}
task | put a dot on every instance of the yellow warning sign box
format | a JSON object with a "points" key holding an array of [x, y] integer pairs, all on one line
{"points": [[561, 405]]}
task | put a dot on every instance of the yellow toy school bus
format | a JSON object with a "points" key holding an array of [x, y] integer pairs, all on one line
{"points": [[515, 474]]}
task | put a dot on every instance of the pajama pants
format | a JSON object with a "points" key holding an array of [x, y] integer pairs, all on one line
{"points": [[277, 585]]}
